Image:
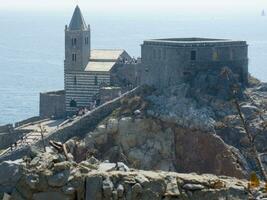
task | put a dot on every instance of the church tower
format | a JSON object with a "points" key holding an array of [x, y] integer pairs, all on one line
{"points": [[77, 43]]}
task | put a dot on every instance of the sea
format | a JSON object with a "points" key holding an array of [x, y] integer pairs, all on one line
{"points": [[32, 47]]}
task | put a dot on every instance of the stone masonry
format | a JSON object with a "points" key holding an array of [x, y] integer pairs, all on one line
{"points": [[173, 61]]}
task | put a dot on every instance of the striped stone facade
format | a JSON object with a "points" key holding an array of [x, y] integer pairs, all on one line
{"points": [[86, 70], [83, 86]]}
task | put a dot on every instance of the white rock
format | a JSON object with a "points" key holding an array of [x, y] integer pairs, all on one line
{"points": [[193, 187], [107, 166]]}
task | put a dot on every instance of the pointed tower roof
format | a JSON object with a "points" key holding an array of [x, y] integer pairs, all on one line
{"points": [[77, 21]]}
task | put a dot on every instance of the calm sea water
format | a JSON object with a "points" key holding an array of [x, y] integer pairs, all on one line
{"points": [[32, 48]]}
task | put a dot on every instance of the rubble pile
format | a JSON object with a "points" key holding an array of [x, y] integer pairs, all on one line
{"points": [[51, 175]]}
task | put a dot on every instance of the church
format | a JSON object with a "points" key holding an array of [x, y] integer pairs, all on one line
{"points": [[86, 70], [93, 77]]}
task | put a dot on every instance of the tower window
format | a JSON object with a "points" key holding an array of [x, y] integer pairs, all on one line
{"points": [[74, 57], [96, 80], [73, 41], [193, 55]]}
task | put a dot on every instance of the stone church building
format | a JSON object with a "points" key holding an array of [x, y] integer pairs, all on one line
{"points": [[86, 70], [92, 77]]}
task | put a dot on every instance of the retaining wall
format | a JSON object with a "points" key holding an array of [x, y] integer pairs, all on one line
{"points": [[78, 127], [6, 128], [27, 121]]}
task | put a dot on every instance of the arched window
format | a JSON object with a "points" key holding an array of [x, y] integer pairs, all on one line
{"points": [[73, 103], [73, 41]]}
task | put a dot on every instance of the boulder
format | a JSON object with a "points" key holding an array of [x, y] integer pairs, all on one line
{"points": [[59, 179], [172, 187], [120, 190], [193, 187], [107, 188], [10, 173]]}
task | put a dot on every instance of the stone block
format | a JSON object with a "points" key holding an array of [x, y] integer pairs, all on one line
{"points": [[94, 187]]}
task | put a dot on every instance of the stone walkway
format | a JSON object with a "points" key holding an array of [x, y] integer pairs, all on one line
{"points": [[35, 134]]}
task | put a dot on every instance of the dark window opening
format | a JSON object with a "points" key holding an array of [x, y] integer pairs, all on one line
{"points": [[193, 55], [74, 57], [73, 41], [73, 103], [75, 80], [96, 80], [86, 40]]}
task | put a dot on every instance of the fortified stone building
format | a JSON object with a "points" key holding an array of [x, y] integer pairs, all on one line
{"points": [[176, 60], [96, 76]]}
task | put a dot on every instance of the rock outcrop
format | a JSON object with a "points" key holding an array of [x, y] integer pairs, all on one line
{"points": [[50, 176], [149, 144], [180, 129]]}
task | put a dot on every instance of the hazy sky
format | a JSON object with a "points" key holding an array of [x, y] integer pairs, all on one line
{"points": [[137, 6]]}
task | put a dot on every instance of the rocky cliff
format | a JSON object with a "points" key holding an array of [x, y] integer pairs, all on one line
{"points": [[181, 129], [169, 132]]}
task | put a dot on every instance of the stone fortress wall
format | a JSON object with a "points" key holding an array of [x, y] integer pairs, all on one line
{"points": [[170, 61], [52, 104]]}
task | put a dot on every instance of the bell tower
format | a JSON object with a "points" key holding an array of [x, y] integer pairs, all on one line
{"points": [[77, 43]]}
